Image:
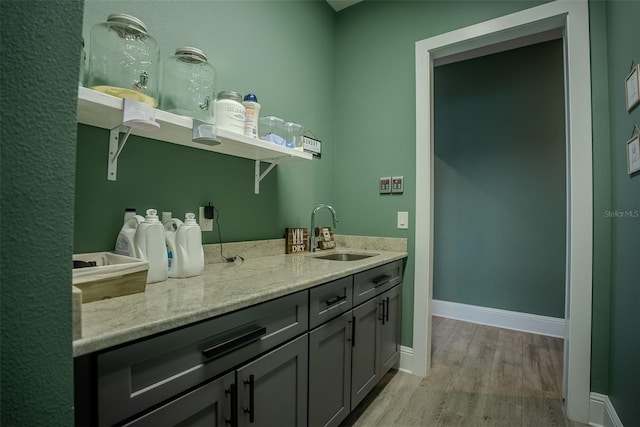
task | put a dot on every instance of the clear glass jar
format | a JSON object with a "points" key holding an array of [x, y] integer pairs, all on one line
{"points": [[188, 84], [124, 60], [293, 134], [272, 129], [230, 113]]}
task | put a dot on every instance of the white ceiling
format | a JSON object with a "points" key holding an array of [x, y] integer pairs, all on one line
{"points": [[338, 5]]}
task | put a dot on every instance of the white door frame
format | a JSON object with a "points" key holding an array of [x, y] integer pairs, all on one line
{"points": [[572, 17]]}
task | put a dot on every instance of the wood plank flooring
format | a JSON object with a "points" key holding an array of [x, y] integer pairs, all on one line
{"points": [[480, 376]]}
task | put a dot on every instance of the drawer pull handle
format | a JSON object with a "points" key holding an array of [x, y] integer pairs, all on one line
{"points": [[234, 405], [381, 279], [387, 310], [231, 344], [335, 300], [251, 409], [353, 331]]}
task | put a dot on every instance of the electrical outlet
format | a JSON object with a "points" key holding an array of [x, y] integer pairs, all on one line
{"points": [[205, 223]]}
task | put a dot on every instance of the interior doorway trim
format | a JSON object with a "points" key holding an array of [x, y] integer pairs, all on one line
{"points": [[572, 18]]}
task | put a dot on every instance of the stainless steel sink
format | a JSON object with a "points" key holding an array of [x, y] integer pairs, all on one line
{"points": [[344, 256]]}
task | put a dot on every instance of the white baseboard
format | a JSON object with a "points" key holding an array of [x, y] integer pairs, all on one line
{"points": [[406, 359], [533, 323], [601, 411]]}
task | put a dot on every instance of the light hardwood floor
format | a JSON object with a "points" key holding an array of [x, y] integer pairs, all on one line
{"points": [[480, 376]]}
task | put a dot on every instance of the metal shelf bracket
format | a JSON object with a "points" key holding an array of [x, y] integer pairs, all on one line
{"points": [[259, 176], [116, 144]]}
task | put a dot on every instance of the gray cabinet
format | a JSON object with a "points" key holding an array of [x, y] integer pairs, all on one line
{"points": [[330, 371], [272, 390], [349, 354], [133, 378], [389, 326], [208, 405], [364, 373], [308, 358], [376, 341]]}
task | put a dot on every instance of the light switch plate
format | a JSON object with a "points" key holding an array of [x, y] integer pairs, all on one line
{"points": [[403, 220], [385, 185], [397, 184]]}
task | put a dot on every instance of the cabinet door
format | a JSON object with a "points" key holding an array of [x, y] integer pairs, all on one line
{"points": [[208, 405], [272, 390], [330, 372], [365, 344], [389, 328]]}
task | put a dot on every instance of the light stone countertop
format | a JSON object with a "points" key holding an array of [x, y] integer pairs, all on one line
{"points": [[222, 288]]}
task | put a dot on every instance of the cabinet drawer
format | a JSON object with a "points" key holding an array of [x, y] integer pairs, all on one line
{"points": [[137, 376], [330, 300], [370, 283]]}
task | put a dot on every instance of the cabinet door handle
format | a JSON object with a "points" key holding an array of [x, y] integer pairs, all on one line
{"points": [[251, 409], [381, 279], [387, 310], [231, 344], [335, 300], [353, 331], [381, 304], [234, 405]]}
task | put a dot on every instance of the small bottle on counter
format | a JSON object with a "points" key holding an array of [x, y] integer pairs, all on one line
{"points": [[229, 111], [252, 111]]}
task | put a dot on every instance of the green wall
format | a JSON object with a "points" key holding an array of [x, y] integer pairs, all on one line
{"points": [[623, 46], [375, 110], [282, 51], [499, 205], [40, 53]]}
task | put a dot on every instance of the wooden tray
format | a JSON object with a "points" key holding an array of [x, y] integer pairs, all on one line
{"points": [[113, 276]]}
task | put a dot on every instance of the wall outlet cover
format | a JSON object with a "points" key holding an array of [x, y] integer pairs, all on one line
{"points": [[403, 220], [204, 223]]}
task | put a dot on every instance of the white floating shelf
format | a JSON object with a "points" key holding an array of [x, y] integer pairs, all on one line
{"points": [[105, 111]]}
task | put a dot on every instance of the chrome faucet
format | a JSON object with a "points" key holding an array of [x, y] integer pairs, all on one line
{"points": [[312, 232]]}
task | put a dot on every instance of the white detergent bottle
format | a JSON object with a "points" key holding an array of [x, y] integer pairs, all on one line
{"points": [[125, 244], [190, 255], [150, 246], [171, 227]]}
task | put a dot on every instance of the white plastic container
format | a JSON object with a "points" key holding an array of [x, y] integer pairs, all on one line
{"points": [[189, 255], [252, 112], [229, 112], [125, 244], [171, 226], [150, 246]]}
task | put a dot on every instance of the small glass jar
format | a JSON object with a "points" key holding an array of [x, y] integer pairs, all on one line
{"points": [[230, 113], [272, 129], [188, 84], [293, 134], [124, 60]]}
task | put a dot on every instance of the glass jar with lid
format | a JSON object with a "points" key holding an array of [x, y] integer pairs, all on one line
{"points": [[188, 84], [230, 113], [124, 60]]}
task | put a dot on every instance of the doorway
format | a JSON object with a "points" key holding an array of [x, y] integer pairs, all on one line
{"points": [[500, 185], [572, 19]]}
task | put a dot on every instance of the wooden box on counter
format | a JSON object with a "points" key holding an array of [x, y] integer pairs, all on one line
{"points": [[297, 240]]}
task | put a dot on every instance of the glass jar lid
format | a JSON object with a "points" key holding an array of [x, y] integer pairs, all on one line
{"points": [[229, 94], [190, 54], [127, 21]]}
